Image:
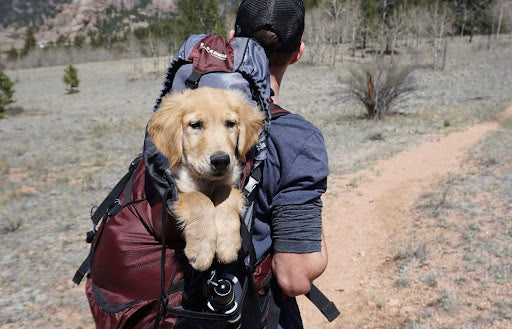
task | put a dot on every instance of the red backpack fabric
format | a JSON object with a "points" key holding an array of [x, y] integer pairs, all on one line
{"points": [[123, 286]]}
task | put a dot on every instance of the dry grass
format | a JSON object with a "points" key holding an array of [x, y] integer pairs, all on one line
{"points": [[464, 229], [63, 154], [472, 88]]}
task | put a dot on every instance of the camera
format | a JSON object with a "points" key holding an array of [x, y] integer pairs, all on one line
{"points": [[223, 297]]}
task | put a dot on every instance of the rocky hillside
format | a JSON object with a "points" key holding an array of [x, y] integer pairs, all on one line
{"points": [[20, 13], [71, 17]]}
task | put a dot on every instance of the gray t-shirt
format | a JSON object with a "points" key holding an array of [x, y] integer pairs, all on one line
{"points": [[288, 206]]}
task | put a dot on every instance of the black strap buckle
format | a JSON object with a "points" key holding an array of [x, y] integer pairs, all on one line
{"points": [[90, 236], [192, 81], [114, 209]]}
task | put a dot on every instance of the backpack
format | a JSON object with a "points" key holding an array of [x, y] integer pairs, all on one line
{"points": [[137, 273]]}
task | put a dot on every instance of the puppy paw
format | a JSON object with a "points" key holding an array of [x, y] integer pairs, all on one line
{"points": [[201, 256], [227, 251], [227, 220], [194, 211], [228, 246]]}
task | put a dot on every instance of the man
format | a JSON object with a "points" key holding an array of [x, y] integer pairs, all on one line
{"points": [[126, 271], [288, 209]]}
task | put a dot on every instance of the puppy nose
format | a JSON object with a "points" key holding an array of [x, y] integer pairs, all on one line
{"points": [[219, 160]]}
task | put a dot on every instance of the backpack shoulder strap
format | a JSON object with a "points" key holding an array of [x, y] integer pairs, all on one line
{"points": [[115, 193], [276, 111], [327, 307], [254, 177]]}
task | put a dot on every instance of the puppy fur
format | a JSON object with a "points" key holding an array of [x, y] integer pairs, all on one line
{"points": [[205, 133]]}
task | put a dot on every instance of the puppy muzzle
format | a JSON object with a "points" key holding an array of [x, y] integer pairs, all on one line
{"points": [[219, 162]]}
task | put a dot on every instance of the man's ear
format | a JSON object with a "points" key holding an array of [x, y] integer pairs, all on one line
{"points": [[297, 54]]}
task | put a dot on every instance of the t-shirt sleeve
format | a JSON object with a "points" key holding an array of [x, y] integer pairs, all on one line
{"points": [[303, 170]]}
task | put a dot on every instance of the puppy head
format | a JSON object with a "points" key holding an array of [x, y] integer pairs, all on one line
{"points": [[205, 128]]}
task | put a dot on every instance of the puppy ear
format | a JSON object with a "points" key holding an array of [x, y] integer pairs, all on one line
{"points": [[251, 120], [166, 128]]}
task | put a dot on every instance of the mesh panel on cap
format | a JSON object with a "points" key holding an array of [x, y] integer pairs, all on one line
{"points": [[283, 17]]}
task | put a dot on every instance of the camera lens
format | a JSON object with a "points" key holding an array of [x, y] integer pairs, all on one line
{"points": [[222, 298], [223, 292]]}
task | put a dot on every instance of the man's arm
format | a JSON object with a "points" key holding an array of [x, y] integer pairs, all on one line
{"points": [[295, 272], [301, 170]]}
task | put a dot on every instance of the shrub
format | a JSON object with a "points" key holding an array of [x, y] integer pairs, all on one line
{"points": [[30, 41], [70, 79], [380, 85], [12, 55], [79, 41], [6, 92]]}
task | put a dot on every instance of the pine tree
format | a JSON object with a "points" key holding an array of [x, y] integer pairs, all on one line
{"points": [[199, 16], [79, 41], [70, 79], [12, 55], [30, 41], [6, 92], [310, 4], [211, 18]]}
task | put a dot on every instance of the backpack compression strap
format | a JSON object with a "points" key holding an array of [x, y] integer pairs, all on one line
{"points": [[105, 207], [325, 306]]}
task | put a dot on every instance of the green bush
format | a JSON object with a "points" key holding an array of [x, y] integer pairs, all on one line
{"points": [[6, 92], [70, 79], [12, 55], [30, 41], [79, 41]]}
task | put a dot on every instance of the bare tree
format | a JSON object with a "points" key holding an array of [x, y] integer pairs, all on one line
{"points": [[314, 35], [509, 15], [417, 24], [464, 16], [133, 49], [397, 25], [158, 48], [500, 8], [352, 16], [440, 23], [333, 10]]}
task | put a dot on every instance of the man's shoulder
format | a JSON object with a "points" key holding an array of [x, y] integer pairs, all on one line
{"points": [[293, 137], [292, 126]]}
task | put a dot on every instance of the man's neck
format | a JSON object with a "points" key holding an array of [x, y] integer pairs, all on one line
{"points": [[276, 76]]}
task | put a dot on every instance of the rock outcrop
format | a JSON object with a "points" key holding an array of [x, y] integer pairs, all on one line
{"points": [[80, 16]]}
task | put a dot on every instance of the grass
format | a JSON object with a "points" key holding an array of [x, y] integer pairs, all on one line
{"points": [[63, 154], [444, 101], [470, 272]]}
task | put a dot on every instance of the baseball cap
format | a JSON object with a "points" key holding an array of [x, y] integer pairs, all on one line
{"points": [[283, 17]]}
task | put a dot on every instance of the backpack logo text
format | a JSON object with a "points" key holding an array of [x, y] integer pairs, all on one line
{"points": [[215, 53]]}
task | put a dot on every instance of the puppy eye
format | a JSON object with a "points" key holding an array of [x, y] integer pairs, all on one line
{"points": [[230, 123], [196, 125]]}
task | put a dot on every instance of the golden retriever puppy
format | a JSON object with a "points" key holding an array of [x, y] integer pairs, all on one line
{"points": [[205, 133]]}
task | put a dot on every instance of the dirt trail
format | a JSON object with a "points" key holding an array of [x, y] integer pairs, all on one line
{"points": [[360, 224]]}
